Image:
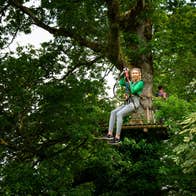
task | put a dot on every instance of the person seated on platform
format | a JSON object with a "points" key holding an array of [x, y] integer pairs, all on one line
{"points": [[161, 92], [132, 102]]}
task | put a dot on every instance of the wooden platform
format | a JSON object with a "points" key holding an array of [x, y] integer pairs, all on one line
{"points": [[151, 131], [142, 126]]}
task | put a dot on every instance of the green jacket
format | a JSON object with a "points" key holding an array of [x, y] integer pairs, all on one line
{"points": [[135, 87]]}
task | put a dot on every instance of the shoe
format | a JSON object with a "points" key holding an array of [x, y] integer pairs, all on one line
{"points": [[107, 137], [115, 141]]}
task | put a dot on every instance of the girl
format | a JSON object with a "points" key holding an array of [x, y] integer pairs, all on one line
{"points": [[136, 86]]}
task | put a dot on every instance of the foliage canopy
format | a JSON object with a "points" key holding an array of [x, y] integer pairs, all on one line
{"points": [[53, 100]]}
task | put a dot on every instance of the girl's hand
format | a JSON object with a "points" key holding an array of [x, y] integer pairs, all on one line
{"points": [[127, 74], [126, 96]]}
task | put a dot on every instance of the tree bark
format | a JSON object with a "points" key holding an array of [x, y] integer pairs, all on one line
{"points": [[114, 53], [134, 22]]}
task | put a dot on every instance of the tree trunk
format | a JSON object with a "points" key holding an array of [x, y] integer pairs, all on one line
{"points": [[142, 58], [144, 32]]}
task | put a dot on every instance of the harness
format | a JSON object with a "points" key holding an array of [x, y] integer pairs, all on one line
{"points": [[130, 99], [128, 92]]}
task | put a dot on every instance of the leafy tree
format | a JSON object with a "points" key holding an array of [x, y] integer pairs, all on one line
{"points": [[172, 110], [174, 57], [119, 31], [46, 125], [185, 150], [52, 99], [178, 158]]}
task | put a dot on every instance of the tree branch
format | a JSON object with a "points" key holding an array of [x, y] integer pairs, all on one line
{"points": [[107, 73], [58, 32], [128, 19], [115, 53], [2, 14], [87, 64], [2, 11], [13, 38]]}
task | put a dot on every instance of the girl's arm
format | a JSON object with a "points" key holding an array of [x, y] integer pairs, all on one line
{"points": [[138, 87]]}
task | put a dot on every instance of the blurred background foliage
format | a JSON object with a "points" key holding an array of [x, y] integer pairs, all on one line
{"points": [[53, 102]]}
